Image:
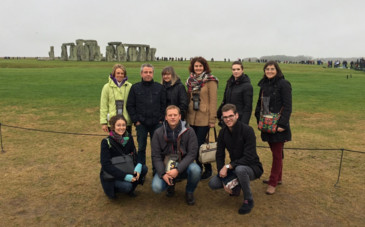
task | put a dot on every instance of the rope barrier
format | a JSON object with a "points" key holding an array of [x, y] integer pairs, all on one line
{"points": [[287, 148]]}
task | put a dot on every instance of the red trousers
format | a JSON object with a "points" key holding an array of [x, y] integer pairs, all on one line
{"points": [[277, 163]]}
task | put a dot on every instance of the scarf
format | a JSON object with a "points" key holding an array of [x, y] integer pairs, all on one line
{"points": [[172, 135], [119, 84], [196, 82], [123, 140]]}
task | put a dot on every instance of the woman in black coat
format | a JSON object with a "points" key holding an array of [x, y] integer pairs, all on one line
{"points": [[175, 90], [276, 96], [118, 143], [239, 92]]}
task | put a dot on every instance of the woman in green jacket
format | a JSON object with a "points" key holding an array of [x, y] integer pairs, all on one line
{"points": [[114, 97]]}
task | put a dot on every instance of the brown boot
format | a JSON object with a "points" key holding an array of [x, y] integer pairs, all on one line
{"points": [[270, 190]]}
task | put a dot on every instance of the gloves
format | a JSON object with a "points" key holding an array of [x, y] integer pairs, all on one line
{"points": [[138, 168], [128, 177]]}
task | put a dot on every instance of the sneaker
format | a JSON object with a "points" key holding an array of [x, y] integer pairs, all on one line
{"points": [[190, 200], [206, 174], [270, 190], [267, 182], [246, 207], [170, 191]]}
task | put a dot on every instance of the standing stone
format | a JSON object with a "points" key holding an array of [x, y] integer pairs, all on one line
{"points": [[132, 53], [151, 54], [73, 52], [120, 52], [109, 55], [85, 53], [79, 48], [51, 53], [142, 55], [64, 56]]}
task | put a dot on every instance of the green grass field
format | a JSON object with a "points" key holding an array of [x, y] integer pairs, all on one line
{"points": [[52, 179]]}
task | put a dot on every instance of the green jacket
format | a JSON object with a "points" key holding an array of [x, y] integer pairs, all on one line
{"points": [[109, 94]]}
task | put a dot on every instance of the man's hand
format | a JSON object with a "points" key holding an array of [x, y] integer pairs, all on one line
{"points": [[173, 173], [227, 189], [168, 179], [137, 123], [223, 172]]}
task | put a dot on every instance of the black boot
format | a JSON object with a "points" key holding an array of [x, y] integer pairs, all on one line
{"points": [[207, 171]]}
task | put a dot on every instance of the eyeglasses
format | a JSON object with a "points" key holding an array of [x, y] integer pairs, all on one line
{"points": [[228, 117]]}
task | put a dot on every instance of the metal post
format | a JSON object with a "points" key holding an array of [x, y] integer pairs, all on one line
{"points": [[339, 170]]}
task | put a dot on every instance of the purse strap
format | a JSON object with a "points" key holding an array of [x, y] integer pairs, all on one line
{"points": [[215, 136]]}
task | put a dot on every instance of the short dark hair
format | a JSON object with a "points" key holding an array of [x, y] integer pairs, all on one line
{"points": [[229, 107], [148, 65], [114, 120], [238, 63], [170, 107], [277, 67], [202, 61]]}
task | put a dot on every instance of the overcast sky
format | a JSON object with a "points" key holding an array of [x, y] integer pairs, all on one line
{"points": [[210, 28]]}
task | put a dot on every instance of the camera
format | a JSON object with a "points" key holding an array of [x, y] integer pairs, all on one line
{"points": [[196, 100]]}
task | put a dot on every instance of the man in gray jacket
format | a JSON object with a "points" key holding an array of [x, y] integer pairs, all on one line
{"points": [[174, 149]]}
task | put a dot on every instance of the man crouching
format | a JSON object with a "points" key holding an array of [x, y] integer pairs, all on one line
{"points": [[174, 149], [240, 141]]}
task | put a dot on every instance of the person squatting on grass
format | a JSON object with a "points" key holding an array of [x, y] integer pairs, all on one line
{"points": [[239, 92], [146, 106], [276, 95], [240, 141], [114, 97], [175, 90], [119, 142], [202, 111], [174, 149]]}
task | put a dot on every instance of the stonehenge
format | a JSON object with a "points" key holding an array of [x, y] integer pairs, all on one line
{"points": [[89, 50]]}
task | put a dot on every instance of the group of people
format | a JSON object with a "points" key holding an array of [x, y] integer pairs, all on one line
{"points": [[178, 121]]}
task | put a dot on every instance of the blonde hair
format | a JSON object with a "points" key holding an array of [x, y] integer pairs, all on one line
{"points": [[170, 70], [119, 66]]}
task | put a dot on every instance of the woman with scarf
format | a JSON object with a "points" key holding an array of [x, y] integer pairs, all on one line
{"points": [[118, 143], [175, 90], [239, 92], [114, 97], [276, 97], [202, 111]]}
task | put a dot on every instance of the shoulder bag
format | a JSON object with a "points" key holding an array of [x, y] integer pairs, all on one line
{"points": [[268, 123], [208, 150]]}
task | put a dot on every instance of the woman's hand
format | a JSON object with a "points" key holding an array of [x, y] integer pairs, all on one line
{"points": [[281, 129], [105, 128], [136, 175]]}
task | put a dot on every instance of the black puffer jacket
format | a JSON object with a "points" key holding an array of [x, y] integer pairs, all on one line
{"points": [[280, 93], [147, 103], [176, 95], [238, 92]]}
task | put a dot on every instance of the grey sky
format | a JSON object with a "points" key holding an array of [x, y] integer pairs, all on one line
{"points": [[210, 28]]}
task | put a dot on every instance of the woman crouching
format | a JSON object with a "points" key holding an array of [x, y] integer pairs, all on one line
{"points": [[120, 145]]}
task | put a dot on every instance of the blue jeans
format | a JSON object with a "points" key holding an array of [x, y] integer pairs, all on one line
{"points": [[126, 187], [192, 173], [142, 133], [244, 174]]}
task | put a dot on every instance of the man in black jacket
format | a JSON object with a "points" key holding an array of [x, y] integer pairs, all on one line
{"points": [[146, 107], [240, 141]]}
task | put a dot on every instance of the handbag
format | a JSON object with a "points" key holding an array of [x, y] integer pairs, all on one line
{"points": [[208, 150], [231, 180], [124, 162], [268, 123]]}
